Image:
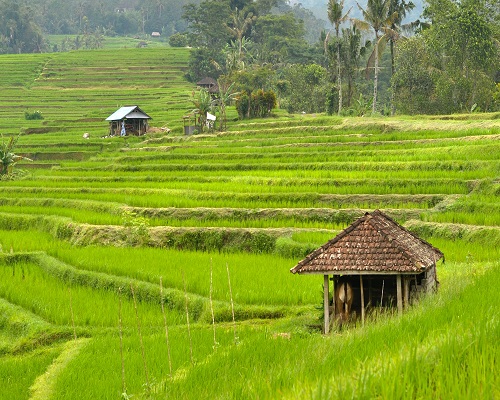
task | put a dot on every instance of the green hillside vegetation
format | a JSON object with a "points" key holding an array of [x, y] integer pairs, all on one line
{"points": [[90, 227]]}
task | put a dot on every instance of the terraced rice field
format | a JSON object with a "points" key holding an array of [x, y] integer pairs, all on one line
{"points": [[90, 227]]}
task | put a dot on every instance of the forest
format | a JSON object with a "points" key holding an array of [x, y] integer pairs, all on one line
{"points": [[362, 58]]}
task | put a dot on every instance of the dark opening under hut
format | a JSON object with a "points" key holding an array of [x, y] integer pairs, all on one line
{"points": [[375, 262]]}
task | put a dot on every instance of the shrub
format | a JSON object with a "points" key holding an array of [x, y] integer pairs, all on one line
{"points": [[33, 115], [178, 40], [258, 105]]}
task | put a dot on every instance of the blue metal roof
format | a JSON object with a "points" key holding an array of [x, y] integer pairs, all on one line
{"points": [[128, 112]]}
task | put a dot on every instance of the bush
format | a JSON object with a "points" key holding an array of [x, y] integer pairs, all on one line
{"points": [[178, 40], [33, 115], [258, 105]]}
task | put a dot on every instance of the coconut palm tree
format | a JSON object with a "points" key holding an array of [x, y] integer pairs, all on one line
{"points": [[337, 17], [241, 23], [377, 16]]}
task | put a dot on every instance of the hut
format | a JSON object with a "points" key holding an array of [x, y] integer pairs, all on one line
{"points": [[210, 84], [375, 262], [128, 121]]}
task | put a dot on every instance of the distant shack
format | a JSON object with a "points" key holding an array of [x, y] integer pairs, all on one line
{"points": [[209, 84], [375, 262], [128, 121]]}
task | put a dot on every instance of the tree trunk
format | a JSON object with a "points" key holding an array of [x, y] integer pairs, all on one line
{"points": [[339, 79], [375, 79], [393, 68]]}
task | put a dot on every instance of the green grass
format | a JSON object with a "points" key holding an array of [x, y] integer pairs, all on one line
{"points": [[89, 217], [17, 373], [52, 299]]}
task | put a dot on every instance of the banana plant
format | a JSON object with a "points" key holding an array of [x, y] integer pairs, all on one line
{"points": [[7, 156]]}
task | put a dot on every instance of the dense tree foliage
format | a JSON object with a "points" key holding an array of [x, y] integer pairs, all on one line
{"points": [[451, 66], [251, 43], [120, 17], [19, 32], [449, 63]]}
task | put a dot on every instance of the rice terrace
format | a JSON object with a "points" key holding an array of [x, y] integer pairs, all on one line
{"points": [[158, 266]]}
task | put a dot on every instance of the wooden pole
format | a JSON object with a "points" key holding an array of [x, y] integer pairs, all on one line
{"points": [[406, 291], [326, 311], [332, 314], [362, 300], [399, 294]]}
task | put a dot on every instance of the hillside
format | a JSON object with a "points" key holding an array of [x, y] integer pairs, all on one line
{"points": [[114, 252]]}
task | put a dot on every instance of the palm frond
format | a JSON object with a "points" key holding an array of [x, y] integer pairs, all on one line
{"points": [[381, 44]]}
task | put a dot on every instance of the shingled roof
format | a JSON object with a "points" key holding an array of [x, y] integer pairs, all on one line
{"points": [[373, 243]]}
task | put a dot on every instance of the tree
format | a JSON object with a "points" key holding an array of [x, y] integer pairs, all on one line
{"points": [[279, 39], [204, 62], [377, 17], [352, 51], [239, 26], [19, 32], [413, 78], [400, 7], [462, 53], [337, 17], [206, 23], [306, 89], [451, 65], [202, 100], [224, 98], [7, 156]]}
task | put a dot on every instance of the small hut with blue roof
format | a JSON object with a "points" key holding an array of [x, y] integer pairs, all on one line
{"points": [[129, 120]]}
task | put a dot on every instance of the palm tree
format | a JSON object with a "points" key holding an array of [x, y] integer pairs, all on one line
{"points": [[335, 11], [377, 16], [239, 26]]}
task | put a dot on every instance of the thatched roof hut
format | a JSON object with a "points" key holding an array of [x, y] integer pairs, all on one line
{"points": [[394, 263], [210, 84]]}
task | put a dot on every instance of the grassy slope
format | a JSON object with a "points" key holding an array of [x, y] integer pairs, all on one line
{"points": [[278, 186]]}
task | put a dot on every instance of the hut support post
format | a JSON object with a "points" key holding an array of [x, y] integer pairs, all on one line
{"points": [[362, 300], [406, 291], [399, 294], [326, 308]]}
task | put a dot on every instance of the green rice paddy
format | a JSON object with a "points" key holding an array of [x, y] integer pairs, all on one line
{"points": [[90, 226]]}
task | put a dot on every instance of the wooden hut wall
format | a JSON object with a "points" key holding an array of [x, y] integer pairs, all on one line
{"points": [[381, 290], [132, 126], [429, 281]]}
